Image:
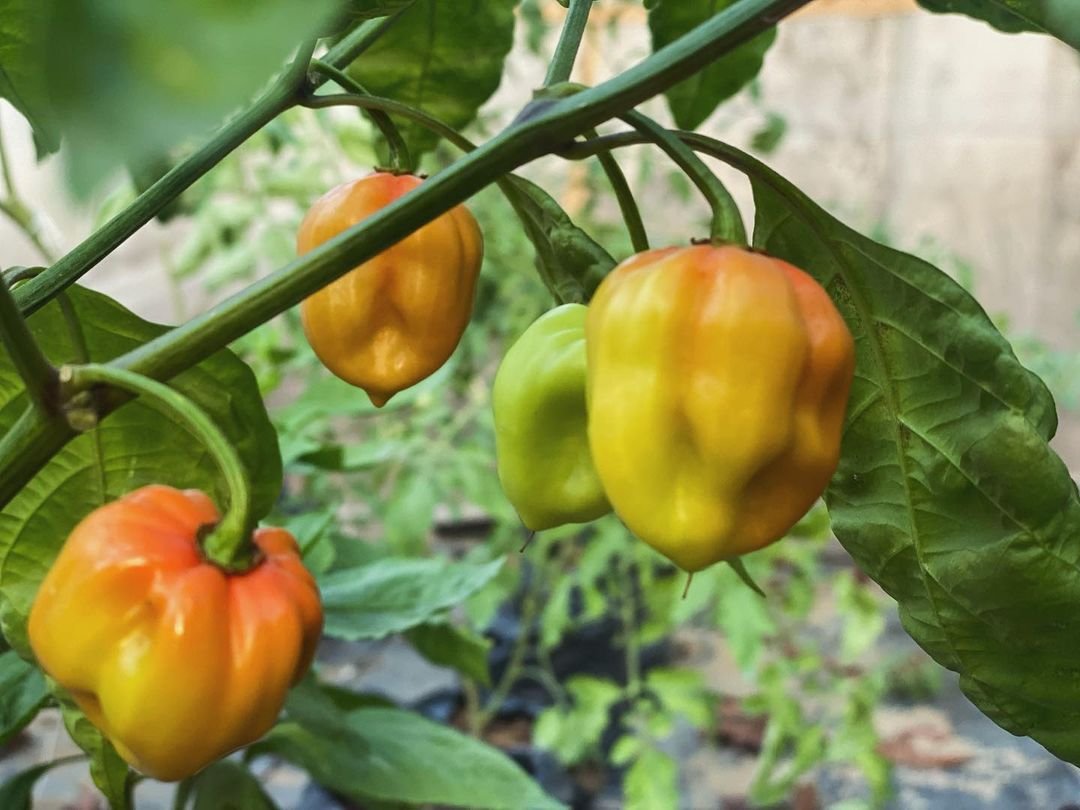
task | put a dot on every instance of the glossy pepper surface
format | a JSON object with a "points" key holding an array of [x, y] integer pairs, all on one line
{"points": [[176, 661], [718, 382], [395, 319], [541, 438]]}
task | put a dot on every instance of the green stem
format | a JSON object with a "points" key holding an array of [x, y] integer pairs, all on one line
{"points": [[400, 159], [15, 210], [361, 38], [33, 367], [550, 129], [562, 62], [631, 642], [229, 543], [36, 293], [727, 224], [631, 214], [530, 609], [35, 437]]}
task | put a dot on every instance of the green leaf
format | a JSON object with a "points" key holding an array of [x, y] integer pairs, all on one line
{"points": [[139, 444], [571, 263], [17, 793], [449, 645], [408, 516], [392, 595], [1058, 18], [22, 693], [693, 100], [110, 773], [573, 732], [443, 56], [682, 691], [130, 80], [397, 756], [947, 493], [21, 79], [652, 781], [225, 785]]}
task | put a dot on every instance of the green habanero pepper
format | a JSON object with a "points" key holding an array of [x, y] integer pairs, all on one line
{"points": [[542, 446]]}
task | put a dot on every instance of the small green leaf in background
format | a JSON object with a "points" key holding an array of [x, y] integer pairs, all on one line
{"points": [[397, 756], [1058, 18], [137, 445], [682, 692], [408, 517], [371, 9], [392, 595], [17, 793], [128, 81], [22, 693], [694, 100], [110, 773], [22, 82], [652, 781], [225, 785], [573, 732], [443, 56], [571, 263], [449, 645]]}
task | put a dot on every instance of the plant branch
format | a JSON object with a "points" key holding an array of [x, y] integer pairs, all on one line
{"points": [[562, 62], [361, 38], [229, 543], [111, 235], [727, 224], [549, 127], [631, 214], [33, 367], [399, 151]]}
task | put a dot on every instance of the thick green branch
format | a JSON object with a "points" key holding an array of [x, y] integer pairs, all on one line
{"points": [[562, 62], [549, 126], [32, 366]]}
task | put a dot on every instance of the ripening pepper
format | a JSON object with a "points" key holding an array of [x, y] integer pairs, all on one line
{"points": [[176, 661], [718, 382], [396, 318], [541, 438]]}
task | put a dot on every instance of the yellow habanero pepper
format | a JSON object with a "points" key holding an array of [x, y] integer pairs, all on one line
{"points": [[395, 319], [175, 660], [718, 380]]}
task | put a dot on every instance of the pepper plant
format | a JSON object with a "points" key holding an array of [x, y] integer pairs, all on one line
{"points": [[946, 494]]}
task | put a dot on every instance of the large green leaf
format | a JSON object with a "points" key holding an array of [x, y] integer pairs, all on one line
{"points": [[22, 693], [139, 444], [443, 56], [21, 79], [392, 595], [129, 80], [449, 645], [1059, 18], [947, 493], [693, 100], [397, 756]]}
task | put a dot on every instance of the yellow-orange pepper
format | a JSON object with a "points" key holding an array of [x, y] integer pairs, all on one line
{"points": [[718, 379], [176, 661], [395, 319]]}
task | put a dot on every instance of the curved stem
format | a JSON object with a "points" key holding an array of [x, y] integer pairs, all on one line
{"points": [[228, 544], [628, 618], [727, 224], [631, 214], [30, 362], [399, 151], [562, 62]]}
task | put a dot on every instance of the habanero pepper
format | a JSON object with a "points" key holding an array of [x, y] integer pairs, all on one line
{"points": [[541, 440], [175, 660], [395, 319], [718, 382]]}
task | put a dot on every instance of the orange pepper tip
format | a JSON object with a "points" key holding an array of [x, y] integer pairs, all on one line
{"points": [[379, 398]]}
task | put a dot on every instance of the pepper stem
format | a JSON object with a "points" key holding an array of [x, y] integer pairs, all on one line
{"points": [[228, 544]]}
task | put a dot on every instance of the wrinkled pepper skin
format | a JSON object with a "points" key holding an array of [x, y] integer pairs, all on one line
{"points": [[176, 661], [541, 438], [718, 382], [395, 319]]}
